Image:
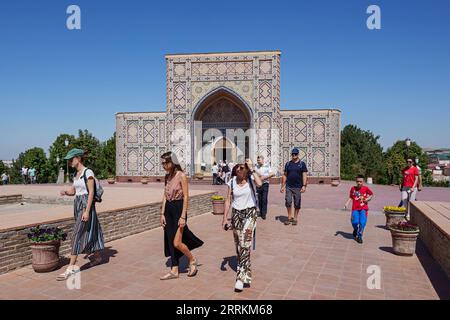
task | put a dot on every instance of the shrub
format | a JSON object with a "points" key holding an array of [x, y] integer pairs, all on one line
{"points": [[394, 209], [39, 234], [405, 226]]}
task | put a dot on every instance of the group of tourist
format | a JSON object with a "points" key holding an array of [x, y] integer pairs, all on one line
{"points": [[29, 175], [221, 172], [247, 197]]}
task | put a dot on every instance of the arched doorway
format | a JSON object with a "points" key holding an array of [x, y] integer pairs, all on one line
{"points": [[221, 121]]}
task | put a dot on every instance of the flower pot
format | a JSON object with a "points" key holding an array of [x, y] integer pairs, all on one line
{"points": [[218, 207], [393, 217], [335, 183], [111, 180], [45, 255], [199, 176], [144, 180], [404, 242]]}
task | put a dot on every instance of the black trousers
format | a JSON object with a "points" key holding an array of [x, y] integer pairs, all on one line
{"points": [[172, 213], [263, 193]]}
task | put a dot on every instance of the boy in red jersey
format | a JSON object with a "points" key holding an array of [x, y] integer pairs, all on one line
{"points": [[360, 195]]}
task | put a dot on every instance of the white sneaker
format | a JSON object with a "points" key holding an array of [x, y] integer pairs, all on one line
{"points": [[239, 286]]}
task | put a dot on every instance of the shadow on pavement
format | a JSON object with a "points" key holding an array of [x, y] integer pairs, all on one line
{"points": [[106, 255], [282, 219], [437, 276], [345, 235], [231, 261], [183, 264]]}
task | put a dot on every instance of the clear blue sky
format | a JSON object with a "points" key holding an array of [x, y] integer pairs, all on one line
{"points": [[394, 81]]}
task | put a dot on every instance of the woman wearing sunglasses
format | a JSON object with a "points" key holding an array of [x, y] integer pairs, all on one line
{"points": [[242, 199], [178, 239]]}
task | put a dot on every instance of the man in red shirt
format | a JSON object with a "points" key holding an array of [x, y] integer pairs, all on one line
{"points": [[409, 184], [360, 195]]}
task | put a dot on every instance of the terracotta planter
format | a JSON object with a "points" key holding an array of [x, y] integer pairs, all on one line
{"points": [[218, 207], [394, 218], [111, 180], [404, 242], [335, 183], [45, 255]]}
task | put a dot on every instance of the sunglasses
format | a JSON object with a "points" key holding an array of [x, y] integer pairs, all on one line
{"points": [[241, 167]]}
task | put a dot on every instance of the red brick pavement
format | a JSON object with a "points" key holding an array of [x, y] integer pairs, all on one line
{"points": [[314, 260]]}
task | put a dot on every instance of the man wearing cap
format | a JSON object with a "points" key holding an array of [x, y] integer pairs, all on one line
{"points": [[294, 182]]}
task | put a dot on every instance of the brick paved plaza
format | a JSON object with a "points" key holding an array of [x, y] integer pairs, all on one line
{"points": [[318, 259]]}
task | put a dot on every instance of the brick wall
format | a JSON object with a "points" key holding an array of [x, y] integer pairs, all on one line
{"points": [[10, 199], [435, 236], [15, 249]]}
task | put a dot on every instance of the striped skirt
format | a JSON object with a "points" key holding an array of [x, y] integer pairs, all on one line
{"points": [[87, 236]]}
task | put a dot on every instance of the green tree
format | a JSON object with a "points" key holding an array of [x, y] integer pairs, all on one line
{"points": [[15, 172], [108, 158], [3, 168], [36, 158], [396, 156], [92, 147], [361, 153], [58, 150]]}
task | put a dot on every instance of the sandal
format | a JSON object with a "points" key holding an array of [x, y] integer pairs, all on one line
{"points": [[193, 270], [169, 276], [68, 273], [294, 222], [288, 221]]}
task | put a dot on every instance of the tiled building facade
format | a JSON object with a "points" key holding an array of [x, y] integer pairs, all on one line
{"points": [[211, 95]]}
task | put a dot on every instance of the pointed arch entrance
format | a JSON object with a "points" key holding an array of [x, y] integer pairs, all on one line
{"points": [[218, 114]]}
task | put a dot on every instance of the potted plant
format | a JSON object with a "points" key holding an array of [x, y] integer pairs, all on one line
{"points": [[394, 215], [111, 179], [145, 180], [45, 247], [335, 182], [199, 175], [218, 204], [404, 237]]}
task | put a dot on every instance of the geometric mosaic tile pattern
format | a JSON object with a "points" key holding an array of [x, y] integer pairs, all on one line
{"points": [[252, 79]]}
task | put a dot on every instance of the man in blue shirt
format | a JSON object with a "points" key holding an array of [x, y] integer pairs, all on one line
{"points": [[294, 182]]}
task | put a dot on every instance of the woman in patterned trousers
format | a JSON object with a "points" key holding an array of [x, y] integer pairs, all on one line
{"points": [[87, 236], [242, 199]]}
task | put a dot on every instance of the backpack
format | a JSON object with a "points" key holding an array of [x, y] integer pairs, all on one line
{"points": [[98, 189]]}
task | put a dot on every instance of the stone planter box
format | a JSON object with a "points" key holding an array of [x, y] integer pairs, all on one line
{"points": [[404, 242], [218, 207], [45, 255], [394, 217]]}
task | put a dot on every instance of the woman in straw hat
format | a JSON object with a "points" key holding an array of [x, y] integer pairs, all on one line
{"points": [[87, 235]]}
